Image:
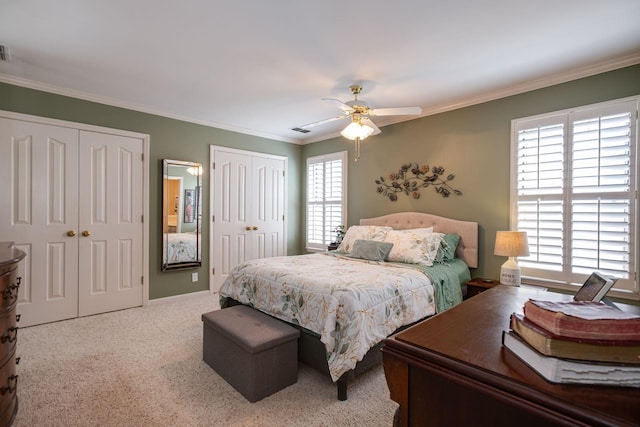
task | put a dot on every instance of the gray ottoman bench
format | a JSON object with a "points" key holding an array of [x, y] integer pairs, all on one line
{"points": [[255, 353]]}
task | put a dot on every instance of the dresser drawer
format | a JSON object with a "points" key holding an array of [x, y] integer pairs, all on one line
{"points": [[9, 285], [8, 390], [8, 336]]}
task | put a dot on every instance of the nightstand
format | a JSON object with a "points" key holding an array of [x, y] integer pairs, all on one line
{"points": [[478, 285]]}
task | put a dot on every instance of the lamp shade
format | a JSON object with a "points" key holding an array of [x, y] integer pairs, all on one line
{"points": [[356, 130], [511, 243]]}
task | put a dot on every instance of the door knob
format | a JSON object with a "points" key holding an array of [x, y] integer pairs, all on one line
{"points": [[71, 233], [247, 228], [255, 227], [86, 233]]}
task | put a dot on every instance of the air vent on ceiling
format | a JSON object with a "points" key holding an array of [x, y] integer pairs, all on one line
{"points": [[301, 130], [4, 53]]}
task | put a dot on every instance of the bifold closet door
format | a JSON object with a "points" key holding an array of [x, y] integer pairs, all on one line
{"points": [[39, 212]]}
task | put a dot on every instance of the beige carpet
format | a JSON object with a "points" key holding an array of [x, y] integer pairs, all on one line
{"points": [[143, 367]]}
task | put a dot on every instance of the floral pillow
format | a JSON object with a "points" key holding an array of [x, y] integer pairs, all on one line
{"points": [[415, 246], [362, 232]]}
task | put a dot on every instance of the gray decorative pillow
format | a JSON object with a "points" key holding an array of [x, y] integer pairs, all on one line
{"points": [[371, 250]]}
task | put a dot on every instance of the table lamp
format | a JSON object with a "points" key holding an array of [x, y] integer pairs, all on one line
{"points": [[512, 244]]}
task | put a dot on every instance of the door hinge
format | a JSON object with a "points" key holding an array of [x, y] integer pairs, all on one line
{"points": [[283, 217], [142, 280], [142, 219], [213, 271], [213, 166], [213, 218], [142, 156]]}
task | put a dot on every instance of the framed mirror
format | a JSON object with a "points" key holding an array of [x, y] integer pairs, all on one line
{"points": [[181, 214]]}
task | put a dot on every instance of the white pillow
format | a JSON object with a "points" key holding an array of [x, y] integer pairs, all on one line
{"points": [[415, 246], [362, 232]]}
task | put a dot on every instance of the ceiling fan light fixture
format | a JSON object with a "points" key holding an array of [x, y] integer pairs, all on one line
{"points": [[356, 130]]}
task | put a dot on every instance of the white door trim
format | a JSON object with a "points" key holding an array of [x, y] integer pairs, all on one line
{"points": [[146, 142]]}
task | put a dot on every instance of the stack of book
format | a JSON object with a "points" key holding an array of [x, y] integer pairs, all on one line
{"points": [[580, 342]]}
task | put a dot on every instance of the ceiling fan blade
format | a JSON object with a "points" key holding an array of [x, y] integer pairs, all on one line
{"points": [[321, 122], [367, 121], [344, 107], [400, 111]]}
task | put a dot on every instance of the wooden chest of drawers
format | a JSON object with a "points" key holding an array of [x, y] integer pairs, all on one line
{"points": [[9, 285]]}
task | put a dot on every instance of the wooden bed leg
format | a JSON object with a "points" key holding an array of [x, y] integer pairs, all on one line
{"points": [[342, 389]]}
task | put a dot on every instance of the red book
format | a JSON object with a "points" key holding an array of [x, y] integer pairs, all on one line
{"points": [[583, 319]]}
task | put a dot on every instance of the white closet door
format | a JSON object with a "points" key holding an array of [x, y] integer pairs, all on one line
{"points": [[231, 209], [39, 212], [110, 225], [268, 207], [248, 198]]}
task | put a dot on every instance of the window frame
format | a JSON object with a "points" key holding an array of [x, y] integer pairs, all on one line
{"points": [[325, 158], [567, 279]]}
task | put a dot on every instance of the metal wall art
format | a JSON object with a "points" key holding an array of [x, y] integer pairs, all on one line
{"points": [[411, 178]]}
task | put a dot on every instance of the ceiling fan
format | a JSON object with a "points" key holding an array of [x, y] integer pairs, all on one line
{"points": [[361, 125]]}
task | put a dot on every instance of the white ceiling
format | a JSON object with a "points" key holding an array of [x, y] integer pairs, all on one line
{"points": [[262, 67]]}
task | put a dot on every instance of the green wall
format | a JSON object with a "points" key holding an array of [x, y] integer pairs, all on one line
{"points": [[172, 139], [474, 144]]}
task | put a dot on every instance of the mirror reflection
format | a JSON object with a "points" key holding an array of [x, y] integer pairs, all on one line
{"points": [[181, 214]]}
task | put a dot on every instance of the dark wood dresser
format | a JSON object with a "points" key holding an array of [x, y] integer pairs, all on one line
{"points": [[9, 285], [451, 370]]}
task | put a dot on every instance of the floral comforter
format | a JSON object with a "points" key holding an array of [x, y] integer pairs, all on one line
{"points": [[351, 304], [181, 247]]}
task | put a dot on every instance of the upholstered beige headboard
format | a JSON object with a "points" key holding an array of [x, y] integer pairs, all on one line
{"points": [[468, 231]]}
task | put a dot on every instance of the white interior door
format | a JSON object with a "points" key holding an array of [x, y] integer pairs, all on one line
{"points": [[110, 223], [58, 182], [248, 199], [231, 179], [39, 212], [267, 215]]}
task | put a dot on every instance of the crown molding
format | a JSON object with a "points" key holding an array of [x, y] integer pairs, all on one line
{"points": [[558, 78], [30, 84], [528, 86]]}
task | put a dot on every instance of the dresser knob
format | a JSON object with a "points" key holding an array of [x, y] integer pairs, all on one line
{"points": [[8, 292], [17, 360], [18, 317], [12, 384], [11, 331]]}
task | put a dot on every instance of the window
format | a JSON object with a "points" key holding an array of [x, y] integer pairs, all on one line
{"points": [[326, 198], [573, 191]]}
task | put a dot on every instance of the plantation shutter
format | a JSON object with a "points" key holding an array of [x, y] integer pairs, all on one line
{"points": [[574, 193], [326, 198], [601, 183], [540, 205]]}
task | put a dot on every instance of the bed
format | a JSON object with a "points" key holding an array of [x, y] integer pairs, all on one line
{"points": [[345, 306], [180, 247]]}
